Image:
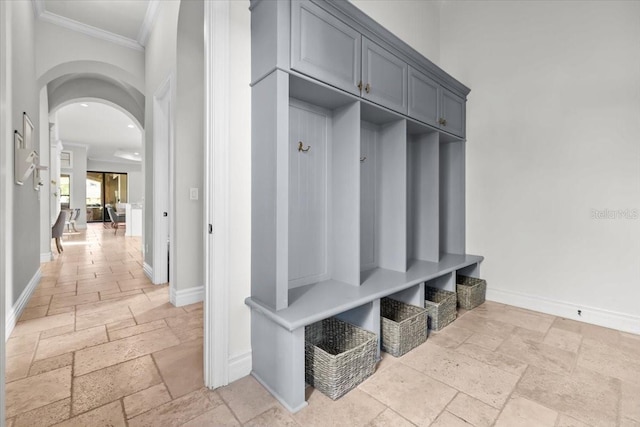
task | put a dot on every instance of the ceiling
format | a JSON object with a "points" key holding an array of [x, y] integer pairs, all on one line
{"points": [[101, 128]]}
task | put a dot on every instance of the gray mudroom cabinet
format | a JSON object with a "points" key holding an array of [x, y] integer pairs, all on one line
{"points": [[358, 179]]}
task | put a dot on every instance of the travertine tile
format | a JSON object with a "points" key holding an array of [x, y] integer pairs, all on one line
{"points": [[61, 330], [65, 301], [389, 418], [484, 325], [447, 419], [521, 412], [39, 301], [563, 339], [120, 325], [53, 311], [628, 422], [493, 358], [402, 389], [110, 415], [613, 361], [40, 390], [22, 344], [34, 312], [181, 367], [191, 320], [524, 319], [630, 404], [46, 365], [139, 283], [17, 367], [221, 416], [43, 324], [118, 295], [473, 411], [355, 408], [386, 361], [144, 313], [449, 337], [538, 354], [71, 341], [41, 292], [137, 329], [103, 286], [106, 385], [111, 353], [247, 398], [567, 421], [92, 319], [179, 411], [142, 401], [473, 377], [586, 396], [485, 341], [45, 415]]}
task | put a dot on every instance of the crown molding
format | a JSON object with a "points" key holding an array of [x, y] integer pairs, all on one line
{"points": [[89, 30], [149, 20]]}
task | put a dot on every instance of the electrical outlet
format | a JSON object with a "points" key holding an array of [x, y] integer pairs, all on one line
{"points": [[193, 193]]}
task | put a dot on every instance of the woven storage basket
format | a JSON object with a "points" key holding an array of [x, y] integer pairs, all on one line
{"points": [[404, 326], [441, 307], [338, 356], [471, 291]]}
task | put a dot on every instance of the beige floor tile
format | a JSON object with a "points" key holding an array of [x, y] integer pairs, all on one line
{"points": [[191, 320], [193, 307], [473, 411], [70, 342], [416, 396], [104, 286], [386, 361], [630, 405], [111, 327], [111, 353], [118, 295], [563, 339], [137, 329], [65, 301], [110, 415], [92, 319], [61, 310], [485, 325], [276, 416], [43, 324], [524, 319], [613, 361], [521, 412], [40, 390], [41, 292], [473, 377], [628, 422], [34, 313], [138, 283], [186, 335], [61, 330], [587, 396], [181, 367], [538, 354], [222, 416], [567, 421], [449, 337], [247, 398], [45, 416], [45, 365], [10, 422], [485, 341], [447, 419], [145, 313], [179, 411], [23, 344], [493, 358], [389, 418], [142, 401], [17, 367], [355, 408], [106, 385], [39, 301]]}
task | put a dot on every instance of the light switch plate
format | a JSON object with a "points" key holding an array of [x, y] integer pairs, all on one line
{"points": [[193, 193]]}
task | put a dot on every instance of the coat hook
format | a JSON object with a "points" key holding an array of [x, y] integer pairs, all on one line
{"points": [[362, 159], [301, 147]]}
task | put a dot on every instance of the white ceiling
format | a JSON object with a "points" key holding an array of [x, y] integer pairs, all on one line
{"points": [[103, 129]]}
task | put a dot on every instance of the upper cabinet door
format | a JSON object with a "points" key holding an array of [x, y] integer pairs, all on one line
{"points": [[384, 77], [453, 113], [324, 47], [424, 98]]}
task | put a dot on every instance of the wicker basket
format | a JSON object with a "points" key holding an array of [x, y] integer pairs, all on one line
{"points": [[471, 291], [441, 307], [338, 356], [404, 326]]}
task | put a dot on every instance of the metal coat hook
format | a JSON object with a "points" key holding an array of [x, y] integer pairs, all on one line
{"points": [[362, 159], [301, 147]]}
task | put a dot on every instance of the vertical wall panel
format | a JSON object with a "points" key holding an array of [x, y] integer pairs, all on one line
{"points": [[368, 143]]}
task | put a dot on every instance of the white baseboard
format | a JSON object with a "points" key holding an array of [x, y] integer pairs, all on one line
{"points": [[186, 296], [46, 257], [14, 313], [239, 366], [148, 271], [596, 316]]}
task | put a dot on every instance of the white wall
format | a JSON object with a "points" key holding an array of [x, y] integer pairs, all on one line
{"points": [[78, 187], [553, 128], [135, 180]]}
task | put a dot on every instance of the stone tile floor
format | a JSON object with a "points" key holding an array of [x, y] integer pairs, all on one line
{"points": [[99, 345]]}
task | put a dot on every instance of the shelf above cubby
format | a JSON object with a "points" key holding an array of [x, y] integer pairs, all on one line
{"points": [[309, 304]]}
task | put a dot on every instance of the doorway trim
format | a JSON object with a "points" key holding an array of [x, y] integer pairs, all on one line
{"points": [[5, 182], [216, 215], [162, 153]]}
